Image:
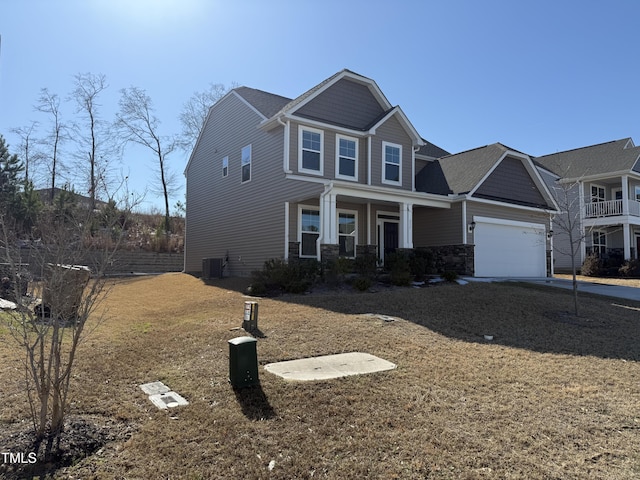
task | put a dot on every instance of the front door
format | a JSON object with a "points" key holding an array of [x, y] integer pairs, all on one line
{"points": [[388, 237]]}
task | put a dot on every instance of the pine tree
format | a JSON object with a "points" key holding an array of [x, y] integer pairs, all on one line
{"points": [[10, 179]]}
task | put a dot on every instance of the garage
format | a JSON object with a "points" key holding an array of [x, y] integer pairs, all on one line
{"points": [[505, 248]]}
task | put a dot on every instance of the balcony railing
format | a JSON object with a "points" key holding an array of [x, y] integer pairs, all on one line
{"points": [[611, 208]]}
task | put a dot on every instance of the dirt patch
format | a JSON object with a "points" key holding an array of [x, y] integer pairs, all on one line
{"points": [[83, 436]]}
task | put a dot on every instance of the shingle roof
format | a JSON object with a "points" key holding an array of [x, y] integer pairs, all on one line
{"points": [[268, 104], [464, 170], [431, 150], [597, 159]]}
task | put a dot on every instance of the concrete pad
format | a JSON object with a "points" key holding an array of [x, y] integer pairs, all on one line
{"points": [[154, 388], [167, 400], [329, 366]]}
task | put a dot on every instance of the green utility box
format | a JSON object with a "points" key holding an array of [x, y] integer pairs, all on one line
{"points": [[243, 362]]}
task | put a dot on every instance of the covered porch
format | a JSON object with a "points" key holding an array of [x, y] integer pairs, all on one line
{"points": [[350, 220]]}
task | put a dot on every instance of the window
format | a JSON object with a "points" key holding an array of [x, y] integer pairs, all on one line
{"points": [[310, 151], [637, 192], [225, 166], [346, 158], [597, 193], [309, 231], [347, 234], [392, 155], [599, 243], [246, 163]]}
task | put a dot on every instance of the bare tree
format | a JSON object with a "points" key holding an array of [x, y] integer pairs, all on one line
{"points": [[138, 123], [92, 135], [195, 111], [28, 151], [49, 103], [49, 331]]}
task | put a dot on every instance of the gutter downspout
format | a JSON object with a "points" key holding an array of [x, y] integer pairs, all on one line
{"points": [[287, 141]]}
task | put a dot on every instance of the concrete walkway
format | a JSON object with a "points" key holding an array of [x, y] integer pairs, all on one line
{"points": [[616, 291]]}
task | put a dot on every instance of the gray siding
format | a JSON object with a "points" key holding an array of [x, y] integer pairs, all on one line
{"points": [[511, 182], [393, 132], [222, 218], [329, 150], [346, 103], [437, 226]]}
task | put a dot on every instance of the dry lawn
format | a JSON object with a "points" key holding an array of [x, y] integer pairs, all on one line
{"points": [[552, 397]]}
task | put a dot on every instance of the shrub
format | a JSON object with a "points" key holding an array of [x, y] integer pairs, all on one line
{"points": [[630, 268], [450, 276], [592, 266], [362, 283], [365, 265], [278, 276], [400, 268], [421, 263]]}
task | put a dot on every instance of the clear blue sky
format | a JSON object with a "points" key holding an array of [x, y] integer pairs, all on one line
{"points": [[540, 76]]}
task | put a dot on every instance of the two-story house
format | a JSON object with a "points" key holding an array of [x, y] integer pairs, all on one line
{"points": [[339, 171], [598, 191]]}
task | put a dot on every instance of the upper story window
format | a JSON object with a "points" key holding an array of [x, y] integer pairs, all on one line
{"points": [[598, 193], [392, 163], [637, 193], [246, 163], [225, 166], [310, 151], [346, 157]]}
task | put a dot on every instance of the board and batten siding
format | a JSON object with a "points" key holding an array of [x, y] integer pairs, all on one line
{"points": [[225, 217]]}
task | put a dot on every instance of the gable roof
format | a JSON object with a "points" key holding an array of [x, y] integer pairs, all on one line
{"points": [[268, 104], [601, 159], [431, 150], [474, 172]]}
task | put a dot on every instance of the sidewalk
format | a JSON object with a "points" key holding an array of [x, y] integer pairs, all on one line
{"points": [[617, 291]]}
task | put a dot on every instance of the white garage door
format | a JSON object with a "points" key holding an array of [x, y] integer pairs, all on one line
{"points": [[506, 248]]}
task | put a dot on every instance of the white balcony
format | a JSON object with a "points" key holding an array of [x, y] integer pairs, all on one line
{"points": [[611, 208]]}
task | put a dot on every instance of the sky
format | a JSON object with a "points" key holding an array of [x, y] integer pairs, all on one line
{"points": [[538, 76]]}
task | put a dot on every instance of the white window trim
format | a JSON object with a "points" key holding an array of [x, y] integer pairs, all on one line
{"points": [[355, 232], [302, 128], [225, 166], [242, 180], [384, 163], [636, 191], [351, 139], [316, 209], [602, 236], [614, 191], [600, 187]]}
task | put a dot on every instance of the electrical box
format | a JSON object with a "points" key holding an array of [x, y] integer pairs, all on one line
{"points": [[243, 362]]}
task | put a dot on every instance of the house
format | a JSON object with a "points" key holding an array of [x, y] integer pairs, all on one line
{"points": [[340, 172], [598, 190]]}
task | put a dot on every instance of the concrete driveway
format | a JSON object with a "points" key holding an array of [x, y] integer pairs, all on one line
{"points": [[616, 291]]}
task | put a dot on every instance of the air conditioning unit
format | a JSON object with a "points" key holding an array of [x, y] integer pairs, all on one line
{"points": [[212, 268]]}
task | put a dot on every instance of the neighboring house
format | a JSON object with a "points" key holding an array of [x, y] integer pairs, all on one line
{"points": [[340, 171], [598, 189]]}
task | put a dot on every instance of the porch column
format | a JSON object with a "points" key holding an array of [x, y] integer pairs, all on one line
{"points": [[625, 197], [627, 241], [406, 225], [328, 213]]}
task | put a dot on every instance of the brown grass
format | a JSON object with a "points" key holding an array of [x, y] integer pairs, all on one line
{"points": [[552, 397]]}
